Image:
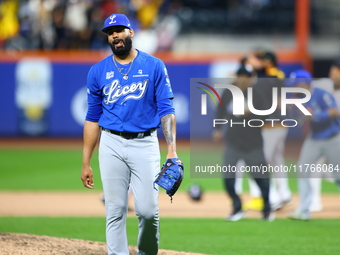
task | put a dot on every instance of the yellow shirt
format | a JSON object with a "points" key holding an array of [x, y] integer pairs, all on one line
{"points": [[275, 72], [9, 25]]}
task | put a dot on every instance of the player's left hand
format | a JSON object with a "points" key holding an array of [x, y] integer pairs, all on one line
{"points": [[171, 176]]}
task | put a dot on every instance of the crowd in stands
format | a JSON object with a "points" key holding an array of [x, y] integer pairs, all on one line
{"points": [[76, 24]]}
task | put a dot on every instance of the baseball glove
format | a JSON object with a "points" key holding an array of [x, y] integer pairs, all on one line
{"points": [[171, 175]]}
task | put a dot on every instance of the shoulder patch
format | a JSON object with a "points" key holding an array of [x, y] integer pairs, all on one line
{"points": [[109, 75]]}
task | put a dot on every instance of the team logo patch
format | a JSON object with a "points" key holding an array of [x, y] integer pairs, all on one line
{"points": [[140, 74], [167, 78], [109, 75]]}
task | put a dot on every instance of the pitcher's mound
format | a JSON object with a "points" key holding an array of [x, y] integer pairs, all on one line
{"points": [[16, 244]]}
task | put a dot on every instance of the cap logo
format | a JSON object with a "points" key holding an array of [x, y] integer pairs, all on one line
{"points": [[112, 17]]}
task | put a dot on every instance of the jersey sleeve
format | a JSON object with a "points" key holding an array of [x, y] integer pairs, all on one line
{"points": [[327, 101], [94, 98], [163, 91], [165, 107], [162, 82]]}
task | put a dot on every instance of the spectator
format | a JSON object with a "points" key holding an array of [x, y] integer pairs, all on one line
{"points": [[62, 37], [9, 24], [77, 23]]}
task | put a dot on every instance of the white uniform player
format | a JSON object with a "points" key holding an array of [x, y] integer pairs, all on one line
{"points": [[129, 96]]}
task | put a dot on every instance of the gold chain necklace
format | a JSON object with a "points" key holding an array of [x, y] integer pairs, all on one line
{"points": [[125, 76]]}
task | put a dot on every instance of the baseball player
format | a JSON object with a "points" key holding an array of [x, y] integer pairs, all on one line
{"points": [[243, 143], [273, 136], [324, 140], [334, 74], [129, 96], [331, 84]]}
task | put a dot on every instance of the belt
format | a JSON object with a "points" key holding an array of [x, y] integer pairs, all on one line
{"points": [[129, 135]]}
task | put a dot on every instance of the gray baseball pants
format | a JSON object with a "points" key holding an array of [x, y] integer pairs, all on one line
{"points": [[311, 151], [134, 162]]}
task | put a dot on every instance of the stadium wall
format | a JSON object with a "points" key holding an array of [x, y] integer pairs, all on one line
{"points": [[44, 93]]}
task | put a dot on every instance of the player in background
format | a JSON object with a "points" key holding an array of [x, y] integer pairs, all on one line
{"points": [[268, 65], [243, 143], [334, 75], [331, 84], [274, 137], [323, 140], [129, 96]]}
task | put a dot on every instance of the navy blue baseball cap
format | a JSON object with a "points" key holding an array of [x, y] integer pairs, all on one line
{"points": [[298, 77], [116, 20]]}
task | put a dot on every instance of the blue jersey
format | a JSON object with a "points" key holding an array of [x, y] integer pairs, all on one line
{"points": [[322, 125], [132, 105]]}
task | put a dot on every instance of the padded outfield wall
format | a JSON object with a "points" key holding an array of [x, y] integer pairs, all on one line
{"points": [[44, 93]]}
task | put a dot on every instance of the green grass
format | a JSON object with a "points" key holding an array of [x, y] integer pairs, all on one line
{"points": [[43, 169], [209, 236], [57, 170]]}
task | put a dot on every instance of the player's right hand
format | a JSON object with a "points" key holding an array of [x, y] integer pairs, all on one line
{"points": [[87, 177]]}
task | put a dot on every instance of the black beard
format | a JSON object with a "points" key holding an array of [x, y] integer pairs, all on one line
{"points": [[124, 50]]}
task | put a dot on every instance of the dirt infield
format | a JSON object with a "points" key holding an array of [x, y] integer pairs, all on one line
{"points": [[213, 204], [18, 244]]}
